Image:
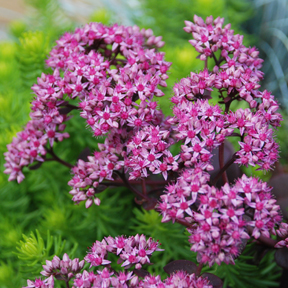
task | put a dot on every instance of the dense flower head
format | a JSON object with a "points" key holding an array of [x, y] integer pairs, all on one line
{"points": [[103, 278], [131, 250], [237, 73], [193, 87], [147, 151], [258, 146], [238, 67], [113, 71], [107, 94], [217, 228], [24, 150], [264, 211], [88, 175], [200, 127], [98, 36], [65, 268], [178, 279], [217, 216], [282, 232], [178, 199], [128, 280], [38, 283], [134, 250]]}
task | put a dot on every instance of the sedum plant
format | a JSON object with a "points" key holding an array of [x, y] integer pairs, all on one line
{"points": [[112, 75]]}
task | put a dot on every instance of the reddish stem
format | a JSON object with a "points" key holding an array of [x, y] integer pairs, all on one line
{"points": [[198, 270], [144, 187], [155, 190], [264, 240], [56, 158], [183, 222], [128, 185], [135, 182], [221, 163], [225, 167], [115, 55], [215, 59], [71, 106]]}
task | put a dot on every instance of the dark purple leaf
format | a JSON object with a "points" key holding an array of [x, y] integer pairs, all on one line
{"points": [[36, 166], [141, 272], [182, 265], [100, 188], [259, 252], [60, 277], [65, 110], [84, 154], [206, 95], [241, 247], [214, 280], [137, 201], [149, 205], [62, 103], [281, 257], [280, 184], [283, 280]]}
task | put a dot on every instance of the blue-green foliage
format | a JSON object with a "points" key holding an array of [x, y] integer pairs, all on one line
{"points": [[271, 38]]}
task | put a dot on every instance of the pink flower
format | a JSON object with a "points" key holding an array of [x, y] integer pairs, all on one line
{"points": [[38, 283]]}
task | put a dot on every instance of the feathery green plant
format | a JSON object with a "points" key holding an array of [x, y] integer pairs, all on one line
{"points": [[34, 251]]}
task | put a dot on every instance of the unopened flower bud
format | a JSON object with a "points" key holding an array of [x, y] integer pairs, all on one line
{"points": [[75, 265], [138, 266], [56, 262], [63, 270], [134, 281]]}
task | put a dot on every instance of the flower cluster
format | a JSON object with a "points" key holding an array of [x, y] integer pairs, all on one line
{"points": [[108, 69], [258, 146], [98, 168], [240, 70], [115, 73], [282, 233], [178, 279], [148, 149], [218, 217], [105, 279], [65, 268], [38, 283], [25, 149], [201, 127], [134, 250]]}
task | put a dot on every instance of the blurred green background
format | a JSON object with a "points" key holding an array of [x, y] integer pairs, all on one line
{"points": [[40, 208]]}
